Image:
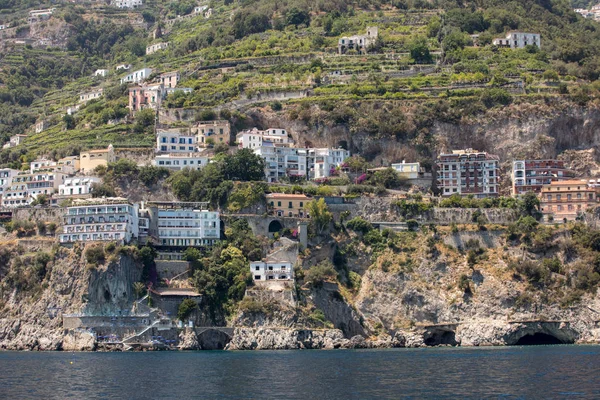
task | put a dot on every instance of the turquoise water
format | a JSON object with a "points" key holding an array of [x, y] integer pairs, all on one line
{"points": [[540, 372]]}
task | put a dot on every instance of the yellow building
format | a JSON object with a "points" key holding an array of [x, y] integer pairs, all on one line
{"points": [[89, 160], [212, 132], [288, 205], [566, 200], [69, 165]]}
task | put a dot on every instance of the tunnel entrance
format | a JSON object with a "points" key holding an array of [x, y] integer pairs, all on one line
{"points": [[275, 226], [440, 337], [538, 339]]}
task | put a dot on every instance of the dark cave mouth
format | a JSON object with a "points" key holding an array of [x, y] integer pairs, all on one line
{"points": [[441, 338], [539, 339]]}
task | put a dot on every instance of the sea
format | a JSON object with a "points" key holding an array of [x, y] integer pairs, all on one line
{"points": [[535, 372]]}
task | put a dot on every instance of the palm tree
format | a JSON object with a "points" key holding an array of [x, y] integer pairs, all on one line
{"points": [[139, 288]]}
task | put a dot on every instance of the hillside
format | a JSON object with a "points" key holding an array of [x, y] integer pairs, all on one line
{"points": [[424, 61]]}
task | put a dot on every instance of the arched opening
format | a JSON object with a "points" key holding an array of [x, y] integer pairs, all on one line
{"points": [[213, 339], [439, 337], [275, 226], [538, 339]]}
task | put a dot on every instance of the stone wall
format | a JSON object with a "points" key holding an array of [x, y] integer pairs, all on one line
{"points": [[49, 214], [171, 268], [448, 216], [488, 239], [141, 156]]}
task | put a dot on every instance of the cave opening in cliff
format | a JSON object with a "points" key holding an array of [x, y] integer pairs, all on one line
{"points": [[275, 226], [440, 337], [538, 339]]}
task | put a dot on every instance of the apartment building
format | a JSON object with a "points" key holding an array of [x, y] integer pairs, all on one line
{"points": [[146, 96], [212, 132], [6, 176], [41, 165], [532, 175], [323, 163], [283, 161], [254, 138], [153, 48], [518, 40], [137, 76], [106, 219], [179, 224], [175, 141], [69, 165], [178, 161], [358, 43], [25, 188], [89, 160], [567, 200], [468, 172], [78, 186], [288, 205]]}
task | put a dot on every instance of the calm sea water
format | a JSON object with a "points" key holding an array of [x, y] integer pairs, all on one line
{"points": [[541, 372]]}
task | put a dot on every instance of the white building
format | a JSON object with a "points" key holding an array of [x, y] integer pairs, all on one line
{"points": [[40, 15], [127, 3], [41, 126], [407, 170], [179, 161], [68, 165], [107, 219], [101, 72], [276, 266], [137, 76], [25, 188], [4, 26], [254, 138], [91, 95], [359, 43], [324, 162], [283, 161], [123, 67], [176, 224], [78, 186], [518, 40], [175, 141], [41, 165], [14, 141], [6, 176], [153, 48]]}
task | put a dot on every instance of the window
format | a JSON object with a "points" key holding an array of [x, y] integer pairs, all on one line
{"points": [[257, 277], [301, 204], [257, 268], [290, 205], [278, 204]]}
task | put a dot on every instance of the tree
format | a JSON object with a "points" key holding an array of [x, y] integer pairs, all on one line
{"points": [[530, 206], [186, 308], [389, 179], [297, 17], [245, 165], [319, 214], [138, 289], [419, 51], [144, 121], [69, 122]]}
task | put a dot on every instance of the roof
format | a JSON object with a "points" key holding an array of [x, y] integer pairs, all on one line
{"points": [[177, 292], [287, 196], [569, 182]]}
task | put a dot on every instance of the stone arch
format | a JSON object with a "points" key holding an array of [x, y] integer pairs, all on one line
{"points": [[537, 339], [541, 333], [275, 226], [440, 336]]}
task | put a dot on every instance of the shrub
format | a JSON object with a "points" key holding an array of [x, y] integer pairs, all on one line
{"points": [[186, 308], [355, 280], [464, 284], [359, 224], [320, 273], [95, 254]]}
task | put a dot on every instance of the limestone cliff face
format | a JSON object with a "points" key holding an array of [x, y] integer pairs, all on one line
{"points": [[30, 309]]}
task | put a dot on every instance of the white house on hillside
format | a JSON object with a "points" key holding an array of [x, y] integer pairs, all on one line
{"points": [[518, 40], [137, 76]]}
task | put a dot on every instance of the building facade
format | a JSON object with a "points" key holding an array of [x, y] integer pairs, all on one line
{"points": [[78, 186], [6, 177], [358, 43], [518, 40], [91, 95], [567, 200], [175, 141], [89, 160], [532, 175], [146, 96], [153, 48], [254, 138], [323, 163], [137, 76], [170, 79], [272, 268], [101, 72], [109, 219], [212, 132], [407, 170], [283, 161], [177, 224], [127, 3], [288, 205], [14, 141], [468, 172], [179, 161], [25, 188]]}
